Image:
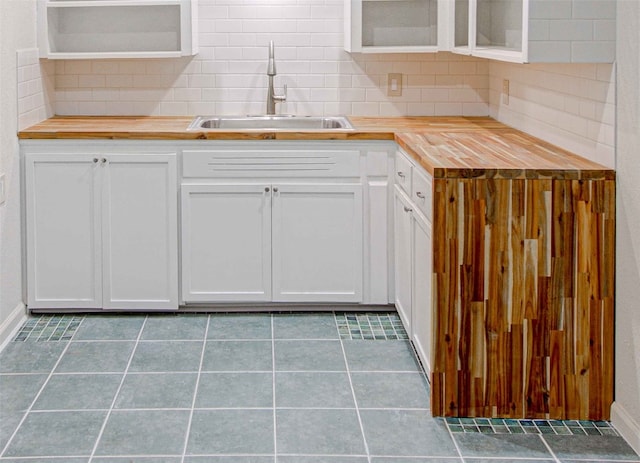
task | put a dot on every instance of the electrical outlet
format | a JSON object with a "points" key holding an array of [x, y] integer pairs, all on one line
{"points": [[394, 84], [505, 92], [2, 189]]}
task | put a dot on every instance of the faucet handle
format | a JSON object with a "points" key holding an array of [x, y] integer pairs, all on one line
{"points": [[283, 97]]}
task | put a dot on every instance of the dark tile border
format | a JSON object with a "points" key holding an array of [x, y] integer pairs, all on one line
{"points": [[510, 426], [48, 328]]}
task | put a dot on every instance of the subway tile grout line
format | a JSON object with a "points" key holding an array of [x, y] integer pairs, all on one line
{"points": [[195, 391], [35, 399], [115, 397]]}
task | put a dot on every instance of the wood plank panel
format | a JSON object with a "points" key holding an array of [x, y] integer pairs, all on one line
{"points": [[526, 265]]}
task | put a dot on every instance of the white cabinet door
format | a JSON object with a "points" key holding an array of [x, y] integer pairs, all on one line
{"points": [[403, 257], [317, 243], [226, 243], [63, 231], [422, 283], [139, 239]]}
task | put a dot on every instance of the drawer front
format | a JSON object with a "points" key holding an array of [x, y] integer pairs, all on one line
{"points": [[403, 172], [422, 194], [270, 163]]}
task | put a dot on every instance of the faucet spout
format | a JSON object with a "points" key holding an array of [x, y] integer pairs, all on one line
{"points": [[272, 97], [271, 67]]}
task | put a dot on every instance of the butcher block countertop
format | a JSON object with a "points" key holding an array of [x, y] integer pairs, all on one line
{"points": [[447, 147]]}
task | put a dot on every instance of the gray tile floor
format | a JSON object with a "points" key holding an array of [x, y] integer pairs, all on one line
{"points": [[241, 388]]}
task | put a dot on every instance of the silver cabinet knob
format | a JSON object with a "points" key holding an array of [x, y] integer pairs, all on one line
{"points": [[95, 160], [401, 174], [407, 209], [420, 195], [103, 160], [275, 189], [267, 189]]}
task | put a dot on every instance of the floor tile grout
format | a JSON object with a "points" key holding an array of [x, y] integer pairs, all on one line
{"points": [[115, 397], [355, 400], [195, 391], [350, 374], [35, 399], [273, 390]]}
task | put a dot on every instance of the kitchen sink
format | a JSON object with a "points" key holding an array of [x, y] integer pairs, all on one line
{"points": [[270, 123]]}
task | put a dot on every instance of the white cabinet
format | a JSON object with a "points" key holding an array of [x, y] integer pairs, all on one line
{"points": [[421, 283], [101, 231], [403, 258], [83, 29], [279, 224], [272, 242], [530, 31], [394, 26], [414, 254], [317, 243], [226, 243]]}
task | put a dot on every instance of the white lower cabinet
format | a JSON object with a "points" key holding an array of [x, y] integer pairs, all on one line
{"points": [[317, 243], [101, 231], [272, 242], [403, 258], [413, 245], [226, 243], [421, 281]]}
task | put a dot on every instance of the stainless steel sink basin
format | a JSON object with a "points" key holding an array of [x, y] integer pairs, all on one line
{"points": [[270, 123]]}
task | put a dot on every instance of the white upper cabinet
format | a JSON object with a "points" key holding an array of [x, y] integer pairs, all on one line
{"points": [[534, 31], [394, 26], [84, 29]]}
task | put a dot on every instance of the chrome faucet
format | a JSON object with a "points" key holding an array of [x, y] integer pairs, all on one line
{"points": [[272, 98]]}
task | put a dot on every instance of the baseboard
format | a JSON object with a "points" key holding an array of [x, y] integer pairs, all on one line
{"points": [[626, 425], [10, 327]]}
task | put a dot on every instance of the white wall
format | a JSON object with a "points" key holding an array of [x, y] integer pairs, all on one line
{"points": [[17, 31], [626, 410], [228, 76], [570, 105]]}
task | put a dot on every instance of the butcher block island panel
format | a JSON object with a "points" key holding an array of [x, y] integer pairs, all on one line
{"points": [[523, 269], [524, 297], [523, 275]]}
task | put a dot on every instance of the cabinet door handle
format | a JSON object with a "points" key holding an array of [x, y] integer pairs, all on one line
{"points": [[95, 160], [407, 209], [103, 160], [267, 190], [420, 195], [275, 189], [401, 174]]}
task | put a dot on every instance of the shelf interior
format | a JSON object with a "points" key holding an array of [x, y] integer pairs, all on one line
{"points": [[499, 24], [98, 29], [399, 23]]}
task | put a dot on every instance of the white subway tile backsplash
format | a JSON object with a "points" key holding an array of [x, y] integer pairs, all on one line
{"points": [[570, 105], [228, 74], [550, 9], [590, 9], [570, 29], [585, 52], [33, 92]]}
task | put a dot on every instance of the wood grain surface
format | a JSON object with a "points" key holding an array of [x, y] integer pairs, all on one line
{"points": [[524, 297], [466, 147]]}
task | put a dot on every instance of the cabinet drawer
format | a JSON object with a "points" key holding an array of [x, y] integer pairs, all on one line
{"points": [[403, 172], [422, 192], [228, 163]]}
